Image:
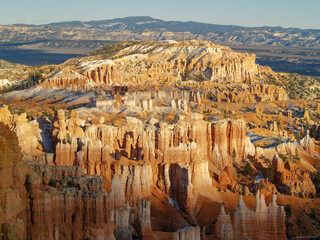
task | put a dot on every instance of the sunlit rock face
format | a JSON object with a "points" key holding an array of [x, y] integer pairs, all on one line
{"points": [[154, 62], [178, 159], [266, 222]]}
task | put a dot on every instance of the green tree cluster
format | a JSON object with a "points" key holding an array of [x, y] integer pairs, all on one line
{"points": [[270, 173], [248, 171]]}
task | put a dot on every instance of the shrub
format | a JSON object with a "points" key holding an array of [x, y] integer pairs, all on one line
{"points": [[46, 114], [234, 154], [288, 210], [283, 157], [247, 171], [21, 110], [269, 173], [261, 185], [52, 69], [34, 78], [71, 184], [29, 117], [313, 214], [316, 180], [185, 75], [110, 50], [200, 78], [10, 109], [68, 138], [298, 137], [52, 183], [295, 158]]}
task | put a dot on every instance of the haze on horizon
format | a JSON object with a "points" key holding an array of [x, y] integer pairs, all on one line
{"points": [[285, 13]]}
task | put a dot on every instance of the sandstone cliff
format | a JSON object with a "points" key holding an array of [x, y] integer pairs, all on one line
{"points": [[49, 202], [66, 78], [152, 62], [168, 61]]}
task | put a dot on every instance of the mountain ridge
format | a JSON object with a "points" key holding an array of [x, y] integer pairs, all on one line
{"points": [[74, 23], [151, 29]]}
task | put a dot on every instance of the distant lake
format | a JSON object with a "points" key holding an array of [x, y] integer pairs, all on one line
{"points": [[32, 57]]}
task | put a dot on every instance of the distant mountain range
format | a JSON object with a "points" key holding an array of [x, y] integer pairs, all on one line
{"points": [[148, 28], [141, 24], [284, 49]]}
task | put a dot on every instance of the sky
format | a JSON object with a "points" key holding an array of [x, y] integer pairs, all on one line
{"points": [[251, 13]]}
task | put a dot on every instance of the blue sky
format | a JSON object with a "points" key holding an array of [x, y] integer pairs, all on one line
{"points": [[285, 13]]}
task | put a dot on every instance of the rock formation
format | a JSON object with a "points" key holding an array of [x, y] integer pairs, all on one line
{"points": [[74, 123], [143, 220], [5, 83], [187, 153], [223, 228], [60, 131], [154, 138], [192, 233], [182, 184], [100, 71], [28, 133], [307, 144], [263, 223], [158, 62], [290, 180], [249, 93], [12, 191], [153, 63], [66, 78], [61, 202]]}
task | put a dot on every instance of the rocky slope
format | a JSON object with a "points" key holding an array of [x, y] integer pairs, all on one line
{"points": [[297, 86], [11, 74]]}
